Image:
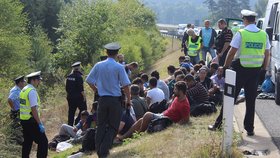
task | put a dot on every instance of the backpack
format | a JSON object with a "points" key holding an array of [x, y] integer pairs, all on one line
{"points": [[88, 143], [158, 107], [202, 109], [159, 124], [57, 139]]}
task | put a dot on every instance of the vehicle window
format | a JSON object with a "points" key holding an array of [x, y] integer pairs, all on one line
{"points": [[260, 24], [272, 15], [276, 28], [277, 24]]}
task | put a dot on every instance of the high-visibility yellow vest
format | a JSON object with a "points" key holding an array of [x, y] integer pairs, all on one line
{"points": [[253, 46], [235, 29], [193, 47], [25, 109]]}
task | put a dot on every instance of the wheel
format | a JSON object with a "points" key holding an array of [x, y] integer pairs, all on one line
{"points": [[277, 88]]}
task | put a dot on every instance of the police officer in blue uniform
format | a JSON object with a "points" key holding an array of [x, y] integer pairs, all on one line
{"points": [[13, 99], [75, 93], [108, 77]]}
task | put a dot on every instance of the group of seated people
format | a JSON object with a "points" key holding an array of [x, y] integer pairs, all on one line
{"points": [[185, 87]]}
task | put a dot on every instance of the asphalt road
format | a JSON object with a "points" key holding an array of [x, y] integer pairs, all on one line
{"points": [[269, 113]]}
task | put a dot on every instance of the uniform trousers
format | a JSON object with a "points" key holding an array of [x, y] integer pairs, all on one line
{"points": [[108, 120], [31, 132], [246, 78], [73, 104]]}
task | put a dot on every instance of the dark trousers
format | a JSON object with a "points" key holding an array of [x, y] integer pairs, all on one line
{"points": [[73, 104], [108, 120], [246, 78], [32, 133], [223, 58]]}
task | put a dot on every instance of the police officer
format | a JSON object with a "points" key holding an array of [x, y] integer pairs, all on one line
{"points": [[108, 77], [33, 128], [75, 93], [194, 46], [13, 99], [249, 54]]}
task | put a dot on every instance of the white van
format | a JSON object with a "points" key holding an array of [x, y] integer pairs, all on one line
{"points": [[272, 27], [181, 29]]}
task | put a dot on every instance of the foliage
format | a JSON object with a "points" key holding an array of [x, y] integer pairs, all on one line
{"points": [[14, 42], [178, 11], [43, 13], [39, 57], [260, 7], [226, 8], [86, 26]]}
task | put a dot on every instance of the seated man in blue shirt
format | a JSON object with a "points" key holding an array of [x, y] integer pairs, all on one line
{"points": [[13, 99]]}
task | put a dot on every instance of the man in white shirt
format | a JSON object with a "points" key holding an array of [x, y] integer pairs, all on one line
{"points": [[154, 94], [161, 85], [249, 54]]}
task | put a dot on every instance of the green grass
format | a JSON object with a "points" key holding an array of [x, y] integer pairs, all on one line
{"points": [[193, 140]]}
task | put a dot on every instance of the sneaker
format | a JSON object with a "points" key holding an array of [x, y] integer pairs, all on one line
{"points": [[212, 128]]}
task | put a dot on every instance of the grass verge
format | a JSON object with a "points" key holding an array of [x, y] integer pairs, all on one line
{"points": [[192, 140]]}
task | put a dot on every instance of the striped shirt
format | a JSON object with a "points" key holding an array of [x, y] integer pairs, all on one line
{"points": [[198, 92]]}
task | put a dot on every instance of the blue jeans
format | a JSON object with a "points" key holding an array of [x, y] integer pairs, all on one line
{"points": [[210, 50], [194, 59]]}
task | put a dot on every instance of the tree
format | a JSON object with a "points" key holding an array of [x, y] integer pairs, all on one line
{"points": [[244, 4], [212, 6], [43, 13], [260, 7], [40, 54], [14, 40], [86, 26]]}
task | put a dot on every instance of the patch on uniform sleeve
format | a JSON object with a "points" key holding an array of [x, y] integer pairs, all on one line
{"points": [[254, 45]]}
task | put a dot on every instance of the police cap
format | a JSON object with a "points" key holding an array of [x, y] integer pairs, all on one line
{"points": [[76, 64], [19, 78], [113, 46], [36, 75], [245, 12]]}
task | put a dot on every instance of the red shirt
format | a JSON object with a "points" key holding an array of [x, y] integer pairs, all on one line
{"points": [[178, 110]]}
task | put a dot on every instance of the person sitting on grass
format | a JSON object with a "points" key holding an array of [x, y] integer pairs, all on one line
{"points": [[140, 83], [154, 95], [139, 104], [145, 79], [72, 131], [161, 84], [196, 92], [170, 70], [88, 120], [178, 112], [203, 79], [215, 92]]}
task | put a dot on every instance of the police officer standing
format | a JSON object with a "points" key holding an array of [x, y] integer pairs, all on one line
{"points": [[33, 128], [108, 76], [249, 54], [75, 93], [13, 99]]}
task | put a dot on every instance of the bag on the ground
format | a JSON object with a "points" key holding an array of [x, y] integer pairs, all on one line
{"points": [[203, 109], [88, 143], [57, 139], [158, 107], [159, 124]]}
